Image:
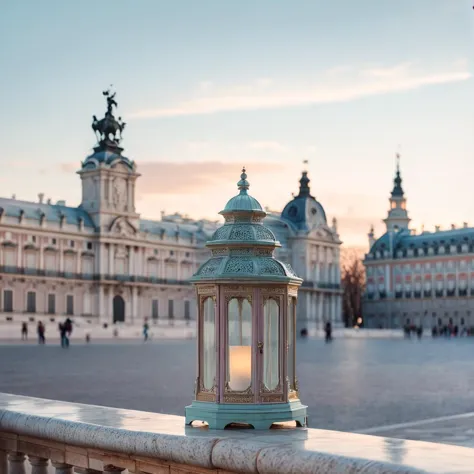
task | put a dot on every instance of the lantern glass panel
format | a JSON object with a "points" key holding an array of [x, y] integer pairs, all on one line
{"points": [[209, 344], [291, 342], [239, 349], [271, 343]]}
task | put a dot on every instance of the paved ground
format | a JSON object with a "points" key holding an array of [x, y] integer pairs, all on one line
{"points": [[348, 385]]}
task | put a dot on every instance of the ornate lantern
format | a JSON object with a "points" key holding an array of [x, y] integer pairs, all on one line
{"points": [[246, 325]]}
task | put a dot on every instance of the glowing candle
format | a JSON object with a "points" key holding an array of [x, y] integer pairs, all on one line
{"points": [[240, 364]]}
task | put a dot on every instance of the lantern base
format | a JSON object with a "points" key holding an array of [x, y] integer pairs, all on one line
{"points": [[261, 417]]}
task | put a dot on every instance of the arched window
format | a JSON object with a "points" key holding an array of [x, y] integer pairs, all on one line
{"points": [[291, 342], [208, 355], [239, 326], [271, 342]]}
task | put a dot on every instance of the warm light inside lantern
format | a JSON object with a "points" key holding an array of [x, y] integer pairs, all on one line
{"points": [[240, 365]]}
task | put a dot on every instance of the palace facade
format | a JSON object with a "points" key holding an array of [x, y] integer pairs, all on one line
{"points": [[101, 261], [424, 279]]}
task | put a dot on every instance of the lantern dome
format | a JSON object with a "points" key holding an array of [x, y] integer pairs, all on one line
{"points": [[243, 247], [243, 201]]}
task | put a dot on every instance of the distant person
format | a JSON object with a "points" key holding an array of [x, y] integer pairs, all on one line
{"points": [[64, 335], [24, 332], [145, 330], [68, 324], [41, 330], [419, 331], [304, 332], [434, 331], [328, 331]]}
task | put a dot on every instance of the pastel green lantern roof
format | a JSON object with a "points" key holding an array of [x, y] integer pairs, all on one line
{"points": [[243, 201], [242, 249]]}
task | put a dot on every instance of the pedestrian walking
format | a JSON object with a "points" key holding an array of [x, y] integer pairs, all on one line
{"points": [[63, 334], [24, 332], [145, 330], [41, 330], [328, 331]]}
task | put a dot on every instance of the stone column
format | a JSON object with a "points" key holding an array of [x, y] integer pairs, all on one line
{"points": [[19, 253], [101, 303], [78, 262], [133, 303], [62, 468], [61, 255], [321, 307], [111, 259], [17, 463], [41, 257], [131, 260], [38, 465]]}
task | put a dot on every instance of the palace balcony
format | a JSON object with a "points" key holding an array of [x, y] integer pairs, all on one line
{"points": [[91, 276]]}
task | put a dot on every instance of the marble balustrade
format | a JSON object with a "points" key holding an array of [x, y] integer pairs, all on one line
{"points": [[43, 436]]}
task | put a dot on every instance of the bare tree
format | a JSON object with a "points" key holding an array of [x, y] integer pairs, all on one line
{"points": [[353, 284]]}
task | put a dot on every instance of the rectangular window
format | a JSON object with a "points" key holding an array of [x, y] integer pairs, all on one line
{"points": [[31, 302], [187, 311], [89, 245], [33, 239], [7, 301], [154, 309], [69, 304], [71, 244], [170, 309], [54, 241], [51, 304]]}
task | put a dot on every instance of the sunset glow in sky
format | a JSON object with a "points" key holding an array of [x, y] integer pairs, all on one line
{"points": [[206, 87]]}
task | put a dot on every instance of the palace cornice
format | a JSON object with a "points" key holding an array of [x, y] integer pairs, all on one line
{"points": [[25, 229]]}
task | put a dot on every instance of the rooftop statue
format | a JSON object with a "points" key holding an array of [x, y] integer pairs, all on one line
{"points": [[108, 130]]}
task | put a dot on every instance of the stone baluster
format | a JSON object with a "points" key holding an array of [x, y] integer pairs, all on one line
{"points": [[3, 461], [38, 465], [62, 468], [17, 463], [113, 469], [83, 470]]}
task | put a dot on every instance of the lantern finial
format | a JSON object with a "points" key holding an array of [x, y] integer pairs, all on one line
{"points": [[243, 184]]}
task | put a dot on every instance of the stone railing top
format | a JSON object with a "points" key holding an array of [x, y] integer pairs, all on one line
{"points": [[165, 437]]}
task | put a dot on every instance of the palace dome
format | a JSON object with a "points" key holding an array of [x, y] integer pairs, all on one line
{"points": [[304, 212]]}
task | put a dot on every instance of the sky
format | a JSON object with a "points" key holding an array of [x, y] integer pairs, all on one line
{"points": [[209, 86]]}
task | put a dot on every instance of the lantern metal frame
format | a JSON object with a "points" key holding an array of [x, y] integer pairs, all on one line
{"points": [[242, 267]]}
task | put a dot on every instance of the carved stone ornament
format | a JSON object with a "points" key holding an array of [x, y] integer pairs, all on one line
{"points": [[119, 195], [121, 251], [122, 227]]}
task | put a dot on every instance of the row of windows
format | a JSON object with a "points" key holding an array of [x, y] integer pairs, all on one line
{"points": [[88, 245], [428, 266], [155, 312], [8, 306], [422, 294], [52, 241]]}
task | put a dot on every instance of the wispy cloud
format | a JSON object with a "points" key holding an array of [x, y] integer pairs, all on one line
{"points": [[268, 146], [196, 177], [336, 85]]}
